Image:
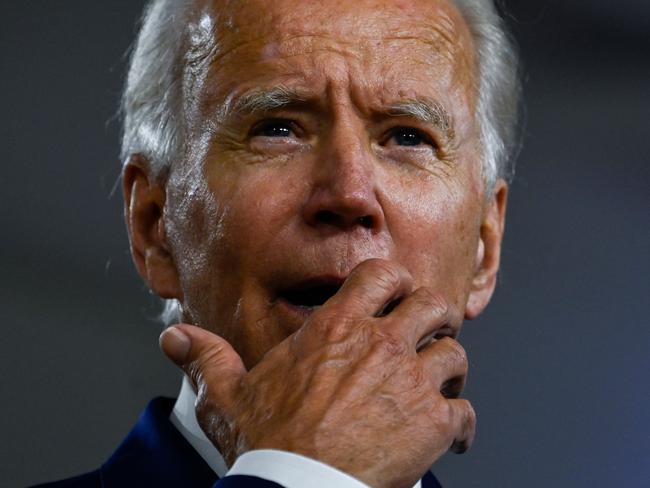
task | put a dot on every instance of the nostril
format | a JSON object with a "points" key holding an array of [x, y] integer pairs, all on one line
{"points": [[327, 217], [366, 221], [332, 218]]}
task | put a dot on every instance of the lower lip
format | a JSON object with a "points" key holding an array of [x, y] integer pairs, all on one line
{"points": [[296, 310]]}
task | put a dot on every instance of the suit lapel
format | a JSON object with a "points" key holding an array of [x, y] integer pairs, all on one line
{"points": [[156, 454], [430, 481]]}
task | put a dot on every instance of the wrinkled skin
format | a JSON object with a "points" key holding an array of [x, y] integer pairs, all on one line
{"points": [[265, 200]]}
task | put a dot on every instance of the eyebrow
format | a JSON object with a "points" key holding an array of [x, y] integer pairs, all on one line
{"points": [[426, 111], [266, 100]]}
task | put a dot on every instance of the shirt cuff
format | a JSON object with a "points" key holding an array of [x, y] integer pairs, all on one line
{"points": [[292, 470]]}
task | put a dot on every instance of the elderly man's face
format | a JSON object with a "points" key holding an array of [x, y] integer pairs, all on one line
{"points": [[322, 134]]}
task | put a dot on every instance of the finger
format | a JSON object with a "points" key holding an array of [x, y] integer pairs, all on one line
{"points": [[370, 287], [422, 316], [208, 360], [463, 418], [445, 361]]}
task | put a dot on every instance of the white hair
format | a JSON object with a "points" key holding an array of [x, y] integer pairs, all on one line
{"points": [[153, 111], [152, 106], [498, 89]]}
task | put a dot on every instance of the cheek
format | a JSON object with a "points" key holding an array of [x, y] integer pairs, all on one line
{"points": [[195, 225], [435, 224], [223, 222], [194, 221], [255, 211], [257, 206]]}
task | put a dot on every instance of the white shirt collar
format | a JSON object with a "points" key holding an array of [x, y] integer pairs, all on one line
{"points": [[183, 417]]}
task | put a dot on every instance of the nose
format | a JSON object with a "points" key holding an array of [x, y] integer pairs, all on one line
{"points": [[344, 194]]}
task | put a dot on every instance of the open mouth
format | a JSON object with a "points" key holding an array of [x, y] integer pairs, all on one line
{"points": [[305, 297], [311, 294]]}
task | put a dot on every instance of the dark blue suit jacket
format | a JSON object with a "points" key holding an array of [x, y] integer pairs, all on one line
{"points": [[155, 454]]}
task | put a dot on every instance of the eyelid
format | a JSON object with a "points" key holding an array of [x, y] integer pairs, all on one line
{"points": [[426, 136], [260, 125]]}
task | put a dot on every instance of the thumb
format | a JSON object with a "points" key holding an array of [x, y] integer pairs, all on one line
{"points": [[208, 360]]}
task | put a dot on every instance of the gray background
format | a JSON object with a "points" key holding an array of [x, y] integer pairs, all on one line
{"points": [[559, 362]]}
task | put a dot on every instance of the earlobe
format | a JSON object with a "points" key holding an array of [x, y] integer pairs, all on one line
{"points": [[144, 203], [488, 251]]}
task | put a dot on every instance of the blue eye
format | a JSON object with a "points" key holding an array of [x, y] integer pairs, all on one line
{"points": [[406, 136], [274, 128]]}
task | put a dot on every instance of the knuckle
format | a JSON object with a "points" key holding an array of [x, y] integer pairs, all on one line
{"points": [[385, 273], [456, 353], [211, 357], [415, 377], [389, 345], [195, 372], [427, 296], [208, 359], [466, 428], [333, 328], [467, 420], [443, 415], [470, 421]]}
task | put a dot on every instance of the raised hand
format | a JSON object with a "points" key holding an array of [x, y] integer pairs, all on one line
{"points": [[368, 385]]}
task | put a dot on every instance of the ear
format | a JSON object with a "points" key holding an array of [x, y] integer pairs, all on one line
{"points": [[489, 251], [144, 204]]}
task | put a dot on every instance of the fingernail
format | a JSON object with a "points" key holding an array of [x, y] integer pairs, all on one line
{"points": [[175, 344]]}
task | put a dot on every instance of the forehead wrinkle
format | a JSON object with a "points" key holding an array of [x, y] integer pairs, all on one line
{"points": [[216, 56], [437, 32], [225, 36], [287, 46], [231, 25], [259, 98], [278, 42]]}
